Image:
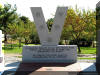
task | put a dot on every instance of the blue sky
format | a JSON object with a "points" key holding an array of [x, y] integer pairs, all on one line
{"points": [[49, 6]]}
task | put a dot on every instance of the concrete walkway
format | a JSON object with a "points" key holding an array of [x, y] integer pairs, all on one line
{"points": [[87, 55], [1, 68]]}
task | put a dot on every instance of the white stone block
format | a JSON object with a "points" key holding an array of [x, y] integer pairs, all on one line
{"points": [[1, 54], [47, 54]]}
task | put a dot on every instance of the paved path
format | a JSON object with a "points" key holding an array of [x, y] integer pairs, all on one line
{"points": [[87, 55], [1, 68]]}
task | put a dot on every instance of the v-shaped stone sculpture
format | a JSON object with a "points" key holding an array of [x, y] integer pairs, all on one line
{"points": [[50, 51], [49, 38]]}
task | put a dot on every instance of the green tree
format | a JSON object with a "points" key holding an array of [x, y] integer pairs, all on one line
{"points": [[16, 31], [89, 18], [50, 23], [79, 24], [12, 32], [27, 25], [7, 16], [33, 34]]}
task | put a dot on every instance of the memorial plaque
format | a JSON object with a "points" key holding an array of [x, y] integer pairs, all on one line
{"points": [[60, 14], [38, 14]]}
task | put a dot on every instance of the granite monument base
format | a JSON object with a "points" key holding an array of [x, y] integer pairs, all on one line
{"points": [[49, 54], [56, 69]]}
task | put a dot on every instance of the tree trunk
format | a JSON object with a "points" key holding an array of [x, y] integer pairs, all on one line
{"points": [[65, 42], [79, 50], [26, 42], [11, 44], [93, 44], [5, 37], [19, 43]]}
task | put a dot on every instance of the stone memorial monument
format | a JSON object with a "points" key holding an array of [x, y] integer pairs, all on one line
{"points": [[1, 54], [49, 51], [98, 36], [98, 31]]}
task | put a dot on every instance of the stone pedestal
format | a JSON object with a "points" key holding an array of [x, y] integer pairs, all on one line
{"points": [[56, 69], [1, 55], [50, 54]]}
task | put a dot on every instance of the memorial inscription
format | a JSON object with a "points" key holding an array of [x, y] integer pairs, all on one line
{"points": [[58, 53], [50, 52], [50, 49]]}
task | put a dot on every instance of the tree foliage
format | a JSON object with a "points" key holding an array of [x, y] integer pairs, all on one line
{"points": [[7, 16], [79, 24]]}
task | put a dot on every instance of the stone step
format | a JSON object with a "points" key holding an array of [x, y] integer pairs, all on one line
{"points": [[50, 69]]}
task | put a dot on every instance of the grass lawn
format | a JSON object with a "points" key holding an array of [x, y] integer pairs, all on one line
{"points": [[15, 49], [88, 50], [82, 58]]}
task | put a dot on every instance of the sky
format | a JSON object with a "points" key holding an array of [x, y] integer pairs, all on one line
{"points": [[49, 6]]}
